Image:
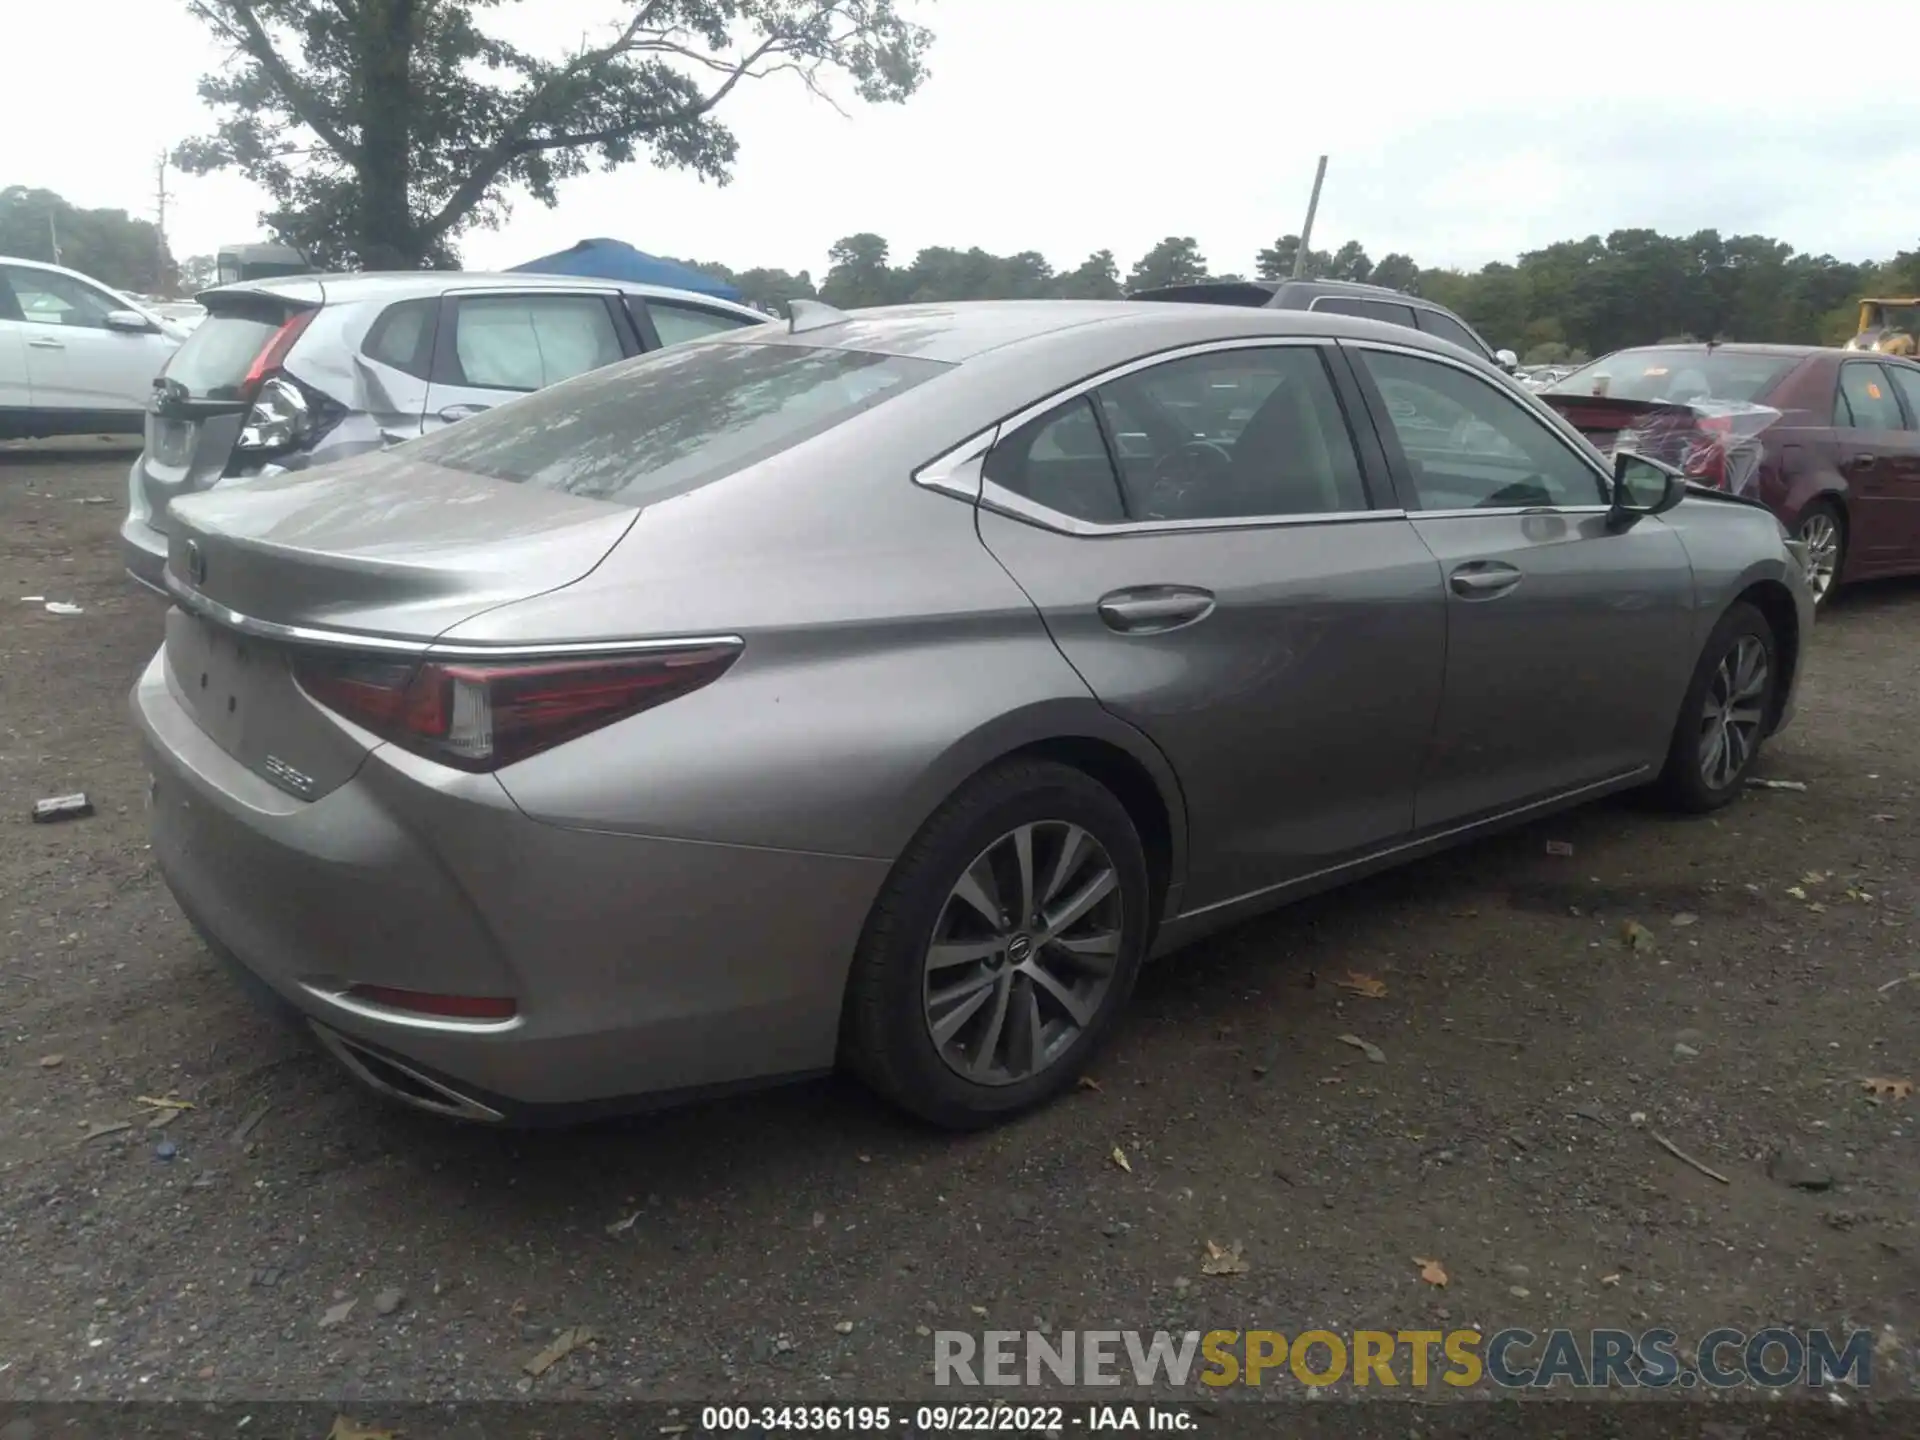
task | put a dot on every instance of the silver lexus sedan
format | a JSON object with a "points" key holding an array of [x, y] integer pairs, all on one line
{"points": [[883, 689]]}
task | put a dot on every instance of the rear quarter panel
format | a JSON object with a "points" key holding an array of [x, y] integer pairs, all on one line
{"points": [[887, 657]]}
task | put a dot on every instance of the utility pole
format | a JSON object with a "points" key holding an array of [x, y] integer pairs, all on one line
{"points": [[160, 231], [1306, 230], [53, 237]]}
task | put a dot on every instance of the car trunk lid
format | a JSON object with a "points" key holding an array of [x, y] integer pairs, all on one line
{"points": [[1712, 442], [377, 555], [202, 398]]}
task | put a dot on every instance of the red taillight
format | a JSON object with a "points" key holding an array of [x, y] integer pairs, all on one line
{"points": [[275, 350], [481, 714], [1705, 457], [452, 1007]]}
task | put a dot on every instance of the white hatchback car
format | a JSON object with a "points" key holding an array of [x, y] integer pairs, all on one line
{"points": [[76, 358]]}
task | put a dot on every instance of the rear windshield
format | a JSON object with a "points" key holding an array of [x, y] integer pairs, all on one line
{"points": [[212, 362], [665, 423], [1679, 375]]}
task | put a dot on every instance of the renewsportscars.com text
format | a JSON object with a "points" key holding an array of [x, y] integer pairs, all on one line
{"points": [[1513, 1359]]}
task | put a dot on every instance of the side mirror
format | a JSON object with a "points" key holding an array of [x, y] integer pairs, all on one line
{"points": [[129, 322], [1506, 360], [1643, 487]]}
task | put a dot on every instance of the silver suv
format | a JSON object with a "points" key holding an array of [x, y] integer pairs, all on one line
{"points": [[293, 372]]}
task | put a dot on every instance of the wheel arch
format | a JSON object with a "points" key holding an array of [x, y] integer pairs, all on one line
{"points": [[1091, 739], [1774, 601]]}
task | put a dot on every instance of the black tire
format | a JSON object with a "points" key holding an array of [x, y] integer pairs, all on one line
{"points": [[887, 1035], [1825, 511], [1684, 785]]}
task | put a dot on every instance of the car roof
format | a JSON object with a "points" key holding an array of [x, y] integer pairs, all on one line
{"points": [[957, 332], [345, 288]]}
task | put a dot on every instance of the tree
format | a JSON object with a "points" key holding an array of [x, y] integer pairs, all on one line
{"points": [[1397, 272], [383, 129], [1176, 260], [1095, 278], [109, 245], [197, 272], [858, 273]]}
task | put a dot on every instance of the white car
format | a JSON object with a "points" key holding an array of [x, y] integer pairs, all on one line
{"points": [[75, 357]]}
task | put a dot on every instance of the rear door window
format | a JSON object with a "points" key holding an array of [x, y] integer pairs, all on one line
{"points": [[674, 322], [1445, 327], [528, 342], [1387, 310], [1906, 380], [1866, 400]]}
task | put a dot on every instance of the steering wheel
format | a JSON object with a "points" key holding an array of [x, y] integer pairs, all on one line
{"points": [[1197, 462]]}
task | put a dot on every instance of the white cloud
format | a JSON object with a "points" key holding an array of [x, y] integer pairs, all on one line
{"points": [[1458, 133]]}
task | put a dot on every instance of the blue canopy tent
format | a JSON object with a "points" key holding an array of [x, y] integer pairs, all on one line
{"points": [[617, 260]]}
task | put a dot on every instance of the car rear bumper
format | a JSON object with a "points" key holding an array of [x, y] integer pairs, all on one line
{"points": [[143, 550], [642, 968]]}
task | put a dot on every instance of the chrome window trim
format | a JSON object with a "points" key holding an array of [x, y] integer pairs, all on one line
{"points": [[1548, 419], [953, 473], [325, 638]]}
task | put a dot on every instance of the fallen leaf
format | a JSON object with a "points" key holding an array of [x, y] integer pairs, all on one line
{"points": [[1120, 1159], [1087, 1082], [1432, 1271], [1796, 892], [153, 1102], [1817, 908], [345, 1429], [1882, 1089], [1686, 918], [1758, 784], [1363, 985], [1816, 877], [564, 1344], [1635, 936], [105, 1127], [48, 1062], [1855, 893], [1371, 1051], [979, 1310], [1223, 1260], [1559, 847], [620, 1227], [337, 1314], [162, 1118], [1613, 1279]]}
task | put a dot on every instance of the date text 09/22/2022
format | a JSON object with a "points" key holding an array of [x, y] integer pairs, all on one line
{"points": [[992, 1418]]}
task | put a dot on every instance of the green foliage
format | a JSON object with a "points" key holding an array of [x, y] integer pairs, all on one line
{"points": [[113, 248], [383, 129], [1565, 302]]}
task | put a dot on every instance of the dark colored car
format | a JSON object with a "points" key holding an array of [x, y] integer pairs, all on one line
{"points": [[1340, 297], [1839, 462]]}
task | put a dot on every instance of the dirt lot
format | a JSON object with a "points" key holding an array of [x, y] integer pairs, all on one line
{"points": [[1520, 1033]]}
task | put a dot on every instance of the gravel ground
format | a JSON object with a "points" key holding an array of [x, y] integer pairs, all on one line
{"points": [[291, 1236]]}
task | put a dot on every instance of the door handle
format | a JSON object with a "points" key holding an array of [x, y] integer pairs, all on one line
{"points": [[1483, 579], [43, 343], [1155, 609], [461, 412], [1862, 462]]}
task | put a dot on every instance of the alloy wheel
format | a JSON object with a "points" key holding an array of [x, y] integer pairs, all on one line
{"points": [[1820, 533], [1023, 953], [1734, 713]]}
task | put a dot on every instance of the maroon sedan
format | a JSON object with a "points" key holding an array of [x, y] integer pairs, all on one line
{"points": [[1828, 439]]}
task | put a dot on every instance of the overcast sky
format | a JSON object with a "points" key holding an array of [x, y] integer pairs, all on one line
{"points": [[1459, 133]]}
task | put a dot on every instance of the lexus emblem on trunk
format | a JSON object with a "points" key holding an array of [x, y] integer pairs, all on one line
{"points": [[196, 563]]}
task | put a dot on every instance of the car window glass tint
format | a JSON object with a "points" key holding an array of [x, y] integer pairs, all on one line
{"points": [[525, 342], [402, 336], [1445, 327], [48, 299], [1231, 435], [1059, 460], [675, 323], [668, 422], [1906, 379], [1869, 396], [1471, 446]]}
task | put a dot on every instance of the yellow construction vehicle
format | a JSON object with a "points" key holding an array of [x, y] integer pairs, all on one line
{"points": [[1888, 325]]}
